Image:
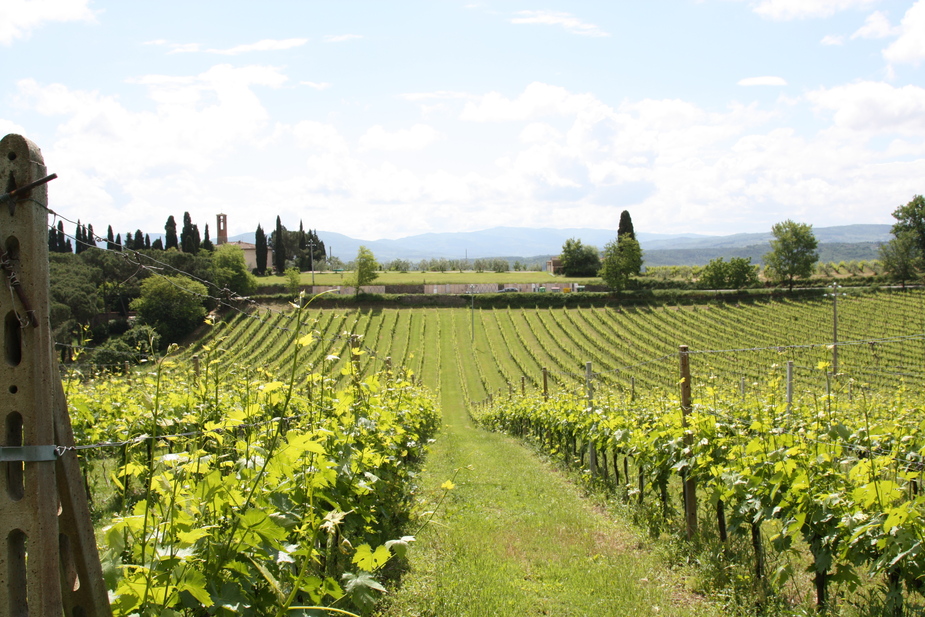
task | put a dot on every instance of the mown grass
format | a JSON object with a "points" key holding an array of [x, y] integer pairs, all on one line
{"points": [[515, 537], [433, 278]]}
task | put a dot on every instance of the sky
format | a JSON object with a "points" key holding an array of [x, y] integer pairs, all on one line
{"points": [[388, 119]]}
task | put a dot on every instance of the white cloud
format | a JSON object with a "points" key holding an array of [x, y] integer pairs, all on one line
{"points": [[8, 127], [320, 137], [264, 45], [341, 38], [196, 121], [874, 107], [910, 46], [538, 99], [317, 85], [876, 26], [802, 9], [438, 95], [18, 18], [767, 80], [832, 39], [568, 21], [417, 137]]}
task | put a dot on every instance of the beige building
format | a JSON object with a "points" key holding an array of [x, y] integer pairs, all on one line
{"points": [[250, 254]]}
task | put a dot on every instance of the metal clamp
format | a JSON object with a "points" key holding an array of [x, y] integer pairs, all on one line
{"points": [[28, 454], [19, 193]]}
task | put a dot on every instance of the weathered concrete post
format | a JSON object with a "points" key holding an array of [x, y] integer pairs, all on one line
{"points": [[50, 566]]}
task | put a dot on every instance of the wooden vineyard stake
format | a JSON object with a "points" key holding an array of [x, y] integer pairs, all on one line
{"points": [[50, 566]]}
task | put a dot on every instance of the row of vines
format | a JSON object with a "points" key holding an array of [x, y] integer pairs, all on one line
{"points": [[817, 500], [269, 464], [271, 476], [880, 341]]}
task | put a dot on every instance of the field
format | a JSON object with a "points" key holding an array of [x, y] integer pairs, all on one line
{"points": [[505, 349], [345, 385], [432, 278]]}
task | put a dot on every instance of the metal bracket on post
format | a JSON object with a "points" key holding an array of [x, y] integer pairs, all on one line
{"points": [[28, 454], [50, 566]]}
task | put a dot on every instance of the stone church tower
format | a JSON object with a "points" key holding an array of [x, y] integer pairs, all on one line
{"points": [[222, 226]]}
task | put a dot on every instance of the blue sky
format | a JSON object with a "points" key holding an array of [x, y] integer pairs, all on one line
{"points": [[386, 119]]}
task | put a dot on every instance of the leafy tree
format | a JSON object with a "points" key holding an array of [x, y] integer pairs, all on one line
{"points": [[578, 259], [74, 288], [230, 270], [400, 265], [901, 257], [626, 225], [157, 245], [737, 273], [622, 260], [793, 252], [170, 237], [172, 305], [911, 219], [364, 271], [293, 280], [261, 243]]}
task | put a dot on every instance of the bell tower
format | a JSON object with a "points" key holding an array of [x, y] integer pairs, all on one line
{"points": [[222, 225]]}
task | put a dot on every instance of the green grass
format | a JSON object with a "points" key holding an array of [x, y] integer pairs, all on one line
{"points": [[515, 537], [433, 278]]}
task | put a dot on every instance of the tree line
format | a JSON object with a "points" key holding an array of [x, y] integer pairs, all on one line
{"points": [[793, 256]]}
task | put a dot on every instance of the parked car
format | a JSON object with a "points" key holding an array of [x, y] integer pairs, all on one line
{"points": [[509, 289]]}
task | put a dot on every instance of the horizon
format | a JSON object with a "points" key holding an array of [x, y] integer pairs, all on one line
{"points": [[375, 120]]}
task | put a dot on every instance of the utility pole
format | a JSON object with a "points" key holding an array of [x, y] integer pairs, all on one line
{"points": [[311, 260]]}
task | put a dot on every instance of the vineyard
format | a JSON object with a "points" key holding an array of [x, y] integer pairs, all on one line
{"points": [[270, 463], [881, 341]]}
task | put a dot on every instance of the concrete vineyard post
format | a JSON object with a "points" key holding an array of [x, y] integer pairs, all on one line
{"points": [[50, 566], [592, 452], [789, 384], [690, 487]]}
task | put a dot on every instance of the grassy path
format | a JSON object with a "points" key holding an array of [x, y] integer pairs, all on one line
{"points": [[514, 537]]}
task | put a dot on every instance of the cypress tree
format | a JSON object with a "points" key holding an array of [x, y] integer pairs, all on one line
{"points": [[147, 241], [62, 244], [139, 241], [260, 240], [170, 239], [626, 225], [206, 242], [158, 244], [279, 248], [110, 241], [189, 235], [90, 236]]}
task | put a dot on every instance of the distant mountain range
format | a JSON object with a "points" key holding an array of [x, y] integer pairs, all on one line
{"points": [[659, 249]]}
